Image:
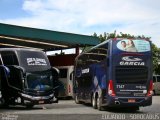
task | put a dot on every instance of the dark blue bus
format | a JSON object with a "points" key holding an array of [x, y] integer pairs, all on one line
{"points": [[115, 73]]}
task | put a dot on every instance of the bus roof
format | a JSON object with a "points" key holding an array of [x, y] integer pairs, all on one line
{"points": [[18, 49]]}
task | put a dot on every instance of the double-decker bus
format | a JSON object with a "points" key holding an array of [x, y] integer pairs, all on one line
{"points": [[26, 78], [115, 73]]}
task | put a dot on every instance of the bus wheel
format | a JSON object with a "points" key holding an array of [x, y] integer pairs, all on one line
{"points": [[94, 102], [5, 103], [76, 100], [99, 107]]}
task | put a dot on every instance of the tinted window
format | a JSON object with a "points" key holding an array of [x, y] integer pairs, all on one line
{"points": [[84, 81], [154, 78], [39, 81], [98, 54], [9, 58], [15, 78], [95, 55], [63, 73], [87, 81], [158, 78]]}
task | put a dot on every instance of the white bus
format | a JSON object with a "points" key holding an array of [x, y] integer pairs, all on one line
{"points": [[156, 84], [66, 79]]}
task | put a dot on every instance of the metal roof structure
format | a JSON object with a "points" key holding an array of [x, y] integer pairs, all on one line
{"points": [[18, 36]]}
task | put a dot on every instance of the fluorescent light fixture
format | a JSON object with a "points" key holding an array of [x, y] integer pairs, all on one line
{"points": [[31, 41], [11, 45]]}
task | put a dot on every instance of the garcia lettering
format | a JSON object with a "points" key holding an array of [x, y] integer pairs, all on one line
{"points": [[132, 63]]}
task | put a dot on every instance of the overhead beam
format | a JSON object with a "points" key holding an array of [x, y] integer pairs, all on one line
{"points": [[46, 36]]}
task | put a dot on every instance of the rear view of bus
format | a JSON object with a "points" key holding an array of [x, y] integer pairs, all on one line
{"points": [[115, 73], [130, 73]]}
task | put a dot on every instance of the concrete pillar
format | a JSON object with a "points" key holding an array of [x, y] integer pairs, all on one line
{"points": [[77, 50]]}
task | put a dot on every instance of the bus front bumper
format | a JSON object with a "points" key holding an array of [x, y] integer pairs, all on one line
{"points": [[36, 100], [127, 101]]}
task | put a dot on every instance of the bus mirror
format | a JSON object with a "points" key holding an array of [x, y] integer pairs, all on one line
{"points": [[9, 73], [6, 71], [55, 73], [21, 69]]}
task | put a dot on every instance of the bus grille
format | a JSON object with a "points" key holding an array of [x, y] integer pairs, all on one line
{"points": [[131, 74]]}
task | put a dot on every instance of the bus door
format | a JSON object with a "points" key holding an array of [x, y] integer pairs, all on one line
{"points": [[87, 83]]}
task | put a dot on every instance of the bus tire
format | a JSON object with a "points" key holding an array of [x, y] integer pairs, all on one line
{"points": [[5, 102], [77, 100], [99, 107], [94, 102]]}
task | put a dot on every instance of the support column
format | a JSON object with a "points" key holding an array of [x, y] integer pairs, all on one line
{"points": [[77, 50]]}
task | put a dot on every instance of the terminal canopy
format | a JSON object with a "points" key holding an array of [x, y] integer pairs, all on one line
{"points": [[47, 40]]}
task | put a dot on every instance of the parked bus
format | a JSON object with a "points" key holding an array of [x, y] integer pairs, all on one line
{"points": [[156, 84], [66, 79], [65, 64], [27, 78], [115, 73]]}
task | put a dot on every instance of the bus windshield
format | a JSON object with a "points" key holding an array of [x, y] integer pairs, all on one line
{"points": [[40, 81], [130, 45]]}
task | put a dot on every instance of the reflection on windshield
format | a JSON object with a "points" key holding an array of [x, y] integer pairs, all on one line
{"points": [[130, 45], [39, 81]]}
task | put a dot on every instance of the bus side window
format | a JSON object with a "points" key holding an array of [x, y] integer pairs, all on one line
{"points": [[88, 81], [63, 72], [9, 58], [154, 79], [158, 78], [101, 52]]}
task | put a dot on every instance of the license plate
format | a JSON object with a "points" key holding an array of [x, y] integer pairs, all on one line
{"points": [[131, 100], [41, 102]]}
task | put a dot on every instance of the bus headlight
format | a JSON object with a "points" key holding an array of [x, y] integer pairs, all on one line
{"points": [[51, 95], [27, 101], [18, 100], [26, 96]]}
